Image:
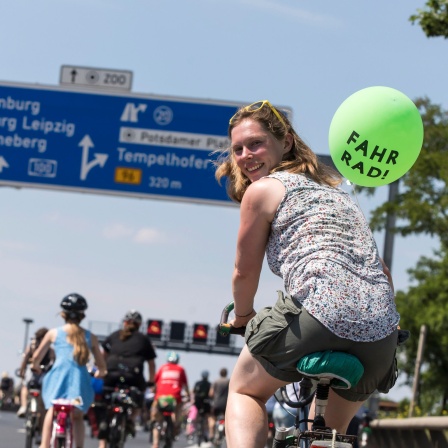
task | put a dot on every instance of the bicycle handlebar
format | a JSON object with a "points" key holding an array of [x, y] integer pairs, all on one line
{"points": [[403, 336], [224, 328]]}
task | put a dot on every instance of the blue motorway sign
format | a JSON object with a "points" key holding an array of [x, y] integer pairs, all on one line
{"points": [[109, 143]]}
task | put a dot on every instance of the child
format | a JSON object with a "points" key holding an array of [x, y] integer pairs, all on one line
{"points": [[69, 377]]}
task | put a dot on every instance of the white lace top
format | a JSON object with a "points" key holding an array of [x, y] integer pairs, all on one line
{"points": [[323, 249]]}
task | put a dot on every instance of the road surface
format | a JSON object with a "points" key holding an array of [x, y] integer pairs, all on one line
{"points": [[12, 435]]}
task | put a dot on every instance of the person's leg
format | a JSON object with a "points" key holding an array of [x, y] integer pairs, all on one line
{"points": [[339, 412], [23, 400], [155, 421], [46, 429], [103, 429], [138, 398], [206, 428], [41, 409], [250, 387], [103, 423], [211, 424], [177, 418], [23, 395], [155, 436], [79, 430]]}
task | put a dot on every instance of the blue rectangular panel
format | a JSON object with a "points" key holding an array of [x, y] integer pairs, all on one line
{"points": [[122, 144]]}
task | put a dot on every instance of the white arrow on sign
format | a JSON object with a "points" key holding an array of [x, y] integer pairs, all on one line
{"points": [[100, 159], [3, 163]]}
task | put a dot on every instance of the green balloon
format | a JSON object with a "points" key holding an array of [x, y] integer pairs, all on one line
{"points": [[375, 136]]}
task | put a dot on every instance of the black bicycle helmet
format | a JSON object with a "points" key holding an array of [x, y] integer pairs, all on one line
{"points": [[74, 302], [134, 316]]}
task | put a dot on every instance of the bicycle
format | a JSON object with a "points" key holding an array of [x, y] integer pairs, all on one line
{"points": [[330, 369], [121, 402], [62, 429], [271, 431], [220, 431], [33, 413], [6, 401], [6, 394], [166, 405], [201, 427], [365, 430]]}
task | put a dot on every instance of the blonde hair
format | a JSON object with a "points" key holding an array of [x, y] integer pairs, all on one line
{"points": [[76, 336], [300, 159]]}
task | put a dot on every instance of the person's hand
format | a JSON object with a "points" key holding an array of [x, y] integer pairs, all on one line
{"points": [[100, 373], [36, 369], [242, 321]]}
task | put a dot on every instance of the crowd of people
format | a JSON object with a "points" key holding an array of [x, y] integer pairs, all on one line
{"points": [[69, 362]]}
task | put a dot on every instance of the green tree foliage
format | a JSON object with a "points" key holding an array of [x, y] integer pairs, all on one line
{"points": [[427, 303], [421, 208], [434, 19]]}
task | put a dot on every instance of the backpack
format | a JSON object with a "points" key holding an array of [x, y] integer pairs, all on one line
{"points": [[201, 389]]}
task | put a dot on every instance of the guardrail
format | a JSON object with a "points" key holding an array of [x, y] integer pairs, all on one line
{"points": [[416, 432]]}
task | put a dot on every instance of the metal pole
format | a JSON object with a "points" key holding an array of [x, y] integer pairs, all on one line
{"points": [[27, 324], [390, 225], [374, 400], [418, 365]]}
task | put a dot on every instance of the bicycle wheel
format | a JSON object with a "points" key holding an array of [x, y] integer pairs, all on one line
{"points": [[117, 431], [28, 440], [169, 432], [217, 442], [200, 430], [123, 431], [217, 439], [30, 426], [113, 432], [54, 441], [219, 433]]}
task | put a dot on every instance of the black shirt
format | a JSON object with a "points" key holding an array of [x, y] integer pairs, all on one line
{"points": [[128, 355], [201, 390]]}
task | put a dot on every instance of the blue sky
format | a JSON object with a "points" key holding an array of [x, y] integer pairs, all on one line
{"points": [[174, 260]]}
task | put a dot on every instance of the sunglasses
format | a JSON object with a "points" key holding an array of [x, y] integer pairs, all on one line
{"points": [[257, 106]]}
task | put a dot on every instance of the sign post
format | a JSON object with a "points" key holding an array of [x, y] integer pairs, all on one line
{"points": [[95, 77], [112, 143]]}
